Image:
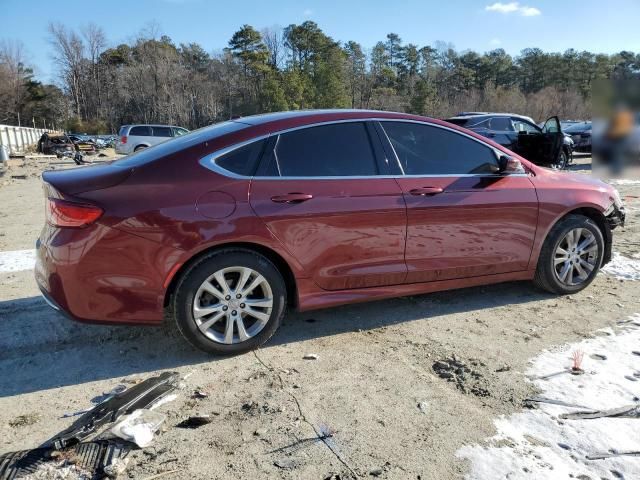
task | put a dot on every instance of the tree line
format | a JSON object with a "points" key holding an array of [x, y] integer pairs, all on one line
{"points": [[153, 80]]}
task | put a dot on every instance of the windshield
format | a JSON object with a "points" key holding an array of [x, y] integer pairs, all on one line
{"points": [[179, 143]]}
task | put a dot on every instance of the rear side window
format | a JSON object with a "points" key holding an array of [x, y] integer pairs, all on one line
{"points": [[337, 150], [428, 150], [140, 130], [162, 131], [122, 131], [502, 124], [243, 160]]}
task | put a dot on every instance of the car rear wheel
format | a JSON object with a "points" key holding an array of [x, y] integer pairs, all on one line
{"points": [[571, 255], [230, 302]]}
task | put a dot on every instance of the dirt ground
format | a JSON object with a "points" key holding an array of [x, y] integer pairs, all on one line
{"points": [[373, 382]]}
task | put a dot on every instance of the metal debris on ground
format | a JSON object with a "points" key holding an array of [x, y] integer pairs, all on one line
{"points": [[310, 356], [601, 456], [538, 399]]}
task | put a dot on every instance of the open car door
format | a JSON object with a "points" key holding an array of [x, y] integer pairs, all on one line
{"points": [[553, 138], [540, 145]]}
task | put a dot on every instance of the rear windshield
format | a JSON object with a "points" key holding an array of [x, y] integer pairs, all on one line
{"points": [[122, 131], [179, 143], [578, 127]]}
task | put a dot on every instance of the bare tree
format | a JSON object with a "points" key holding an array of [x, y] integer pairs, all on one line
{"points": [[69, 56], [12, 80]]}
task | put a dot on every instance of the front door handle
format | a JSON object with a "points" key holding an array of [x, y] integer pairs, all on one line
{"points": [[426, 191], [292, 198]]}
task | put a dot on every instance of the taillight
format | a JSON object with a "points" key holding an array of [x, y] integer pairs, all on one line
{"points": [[61, 213], [123, 139]]}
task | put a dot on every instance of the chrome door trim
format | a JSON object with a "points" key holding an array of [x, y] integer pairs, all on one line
{"points": [[209, 161]]}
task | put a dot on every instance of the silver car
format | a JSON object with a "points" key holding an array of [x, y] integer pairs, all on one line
{"points": [[132, 138]]}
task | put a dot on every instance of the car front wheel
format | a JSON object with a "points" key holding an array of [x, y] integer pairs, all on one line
{"points": [[571, 255], [230, 302], [561, 161]]}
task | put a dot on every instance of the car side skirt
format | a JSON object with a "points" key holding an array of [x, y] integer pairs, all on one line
{"points": [[311, 297]]}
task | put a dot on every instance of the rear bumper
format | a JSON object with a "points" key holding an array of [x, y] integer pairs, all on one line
{"points": [[102, 275]]}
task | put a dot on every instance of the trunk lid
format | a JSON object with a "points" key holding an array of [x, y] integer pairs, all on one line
{"points": [[85, 179]]}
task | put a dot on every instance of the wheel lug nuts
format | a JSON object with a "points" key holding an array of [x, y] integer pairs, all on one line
{"points": [[238, 296], [225, 308], [228, 297], [242, 305], [233, 312]]}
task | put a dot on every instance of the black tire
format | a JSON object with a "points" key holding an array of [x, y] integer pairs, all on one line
{"points": [[182, 301], [139, 147], [546, 277], [562, 161]]}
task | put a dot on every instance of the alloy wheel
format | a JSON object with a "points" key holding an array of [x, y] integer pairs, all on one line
{"points": [[233, 305], [576, 256]]}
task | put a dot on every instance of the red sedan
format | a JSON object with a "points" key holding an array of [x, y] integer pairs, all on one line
{"points": [[227, 226]]}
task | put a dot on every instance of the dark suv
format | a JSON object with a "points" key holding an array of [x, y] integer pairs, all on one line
{"points": [[544, 146]]}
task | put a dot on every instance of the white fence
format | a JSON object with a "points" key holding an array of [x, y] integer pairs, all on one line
{"points": [[17, 139]]}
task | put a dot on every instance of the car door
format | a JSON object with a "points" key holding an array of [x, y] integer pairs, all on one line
{"points": [[463, 218], [321, 190], [502, 132], [541, 146], [161, 134]]}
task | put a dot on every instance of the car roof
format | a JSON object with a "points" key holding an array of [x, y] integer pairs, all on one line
{"points": [[469, 115]]}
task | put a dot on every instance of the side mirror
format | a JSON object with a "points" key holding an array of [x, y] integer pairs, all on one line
{"points": [[508, 165]]}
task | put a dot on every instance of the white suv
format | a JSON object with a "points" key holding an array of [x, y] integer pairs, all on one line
{"points": [[136, 137]]}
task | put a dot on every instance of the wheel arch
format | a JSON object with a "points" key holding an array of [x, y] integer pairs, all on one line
{"points": [[281, 264], [599, 219]]}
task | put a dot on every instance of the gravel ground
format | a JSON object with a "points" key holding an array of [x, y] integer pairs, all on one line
{"points": [[404, 383]]}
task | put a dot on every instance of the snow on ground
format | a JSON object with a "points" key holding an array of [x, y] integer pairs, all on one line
{"points": [[624, 181], [622, 267], [16, 260], [538, 444]]}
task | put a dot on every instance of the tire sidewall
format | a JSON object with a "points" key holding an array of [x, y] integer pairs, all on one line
{"points": [[199, 272], [558, 236]]}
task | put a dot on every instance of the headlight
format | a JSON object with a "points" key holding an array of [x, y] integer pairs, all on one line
{"points": [[617, 199]]}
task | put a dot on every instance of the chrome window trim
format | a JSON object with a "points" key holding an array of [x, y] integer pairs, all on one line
{"points": [[209, 161]]}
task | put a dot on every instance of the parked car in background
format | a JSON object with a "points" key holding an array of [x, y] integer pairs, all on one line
{"points": [[223, 228], [581, 134], [544, 146], [58, 144], [133, 138], [83, 144]]}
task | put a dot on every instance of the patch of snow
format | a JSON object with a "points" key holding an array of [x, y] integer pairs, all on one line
{"points": [[538, 444], [17, 260], [623, 267], [624, 181]]}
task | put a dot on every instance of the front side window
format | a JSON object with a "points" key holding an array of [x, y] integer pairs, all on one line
{"points": [[336, 150], [526, 127], [429, 150], [161, 131]]}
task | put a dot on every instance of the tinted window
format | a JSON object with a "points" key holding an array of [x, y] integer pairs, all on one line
{"points": [[502, 124], [179, 131], [242, 160], [161, 131], [458, 121], [142, 131], [427, 150], [341, 149], [478, 123]]}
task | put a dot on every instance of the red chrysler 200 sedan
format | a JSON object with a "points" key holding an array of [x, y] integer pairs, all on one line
{"points": [[226, 226]]}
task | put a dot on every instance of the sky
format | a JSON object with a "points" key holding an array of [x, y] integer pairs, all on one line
{"points": [[480, 25]]}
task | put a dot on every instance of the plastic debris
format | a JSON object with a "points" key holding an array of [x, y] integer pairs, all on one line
{"points": [[139, 426]]}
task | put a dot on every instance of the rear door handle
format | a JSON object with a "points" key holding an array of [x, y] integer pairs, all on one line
{"points": [[292, 198], [426, 191]]}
